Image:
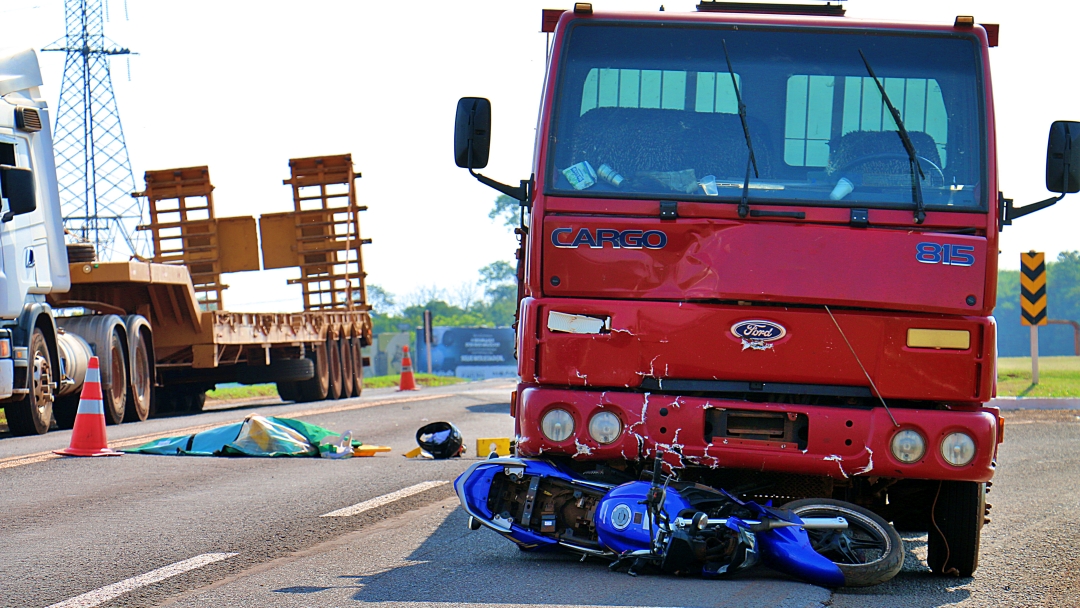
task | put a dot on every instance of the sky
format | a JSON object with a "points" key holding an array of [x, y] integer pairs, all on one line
{"points": [[243, 86]]}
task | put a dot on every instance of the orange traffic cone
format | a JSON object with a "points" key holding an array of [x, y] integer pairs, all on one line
{"points": [[408, 383], [88, 436]]}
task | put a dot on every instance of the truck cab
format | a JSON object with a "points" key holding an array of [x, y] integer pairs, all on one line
{"points": [[764, 248], [33, 258]]}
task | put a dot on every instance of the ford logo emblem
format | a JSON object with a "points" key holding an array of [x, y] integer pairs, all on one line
{"points": [[758, 331]]}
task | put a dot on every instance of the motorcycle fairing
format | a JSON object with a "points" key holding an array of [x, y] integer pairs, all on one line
{"points": [[789, 549]]}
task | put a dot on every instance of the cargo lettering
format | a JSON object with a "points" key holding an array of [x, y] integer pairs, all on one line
{"points": [[625, 239]]}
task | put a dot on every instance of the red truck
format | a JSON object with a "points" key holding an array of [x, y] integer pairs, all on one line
{"points": [[762, 240]]}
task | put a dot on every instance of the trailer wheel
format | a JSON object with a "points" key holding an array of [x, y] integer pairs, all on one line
{"points": [[318, 386], [288, 391], [279, 371], [333, 364], [358, 366], [959, 513], [114, 379], [141, 385], [344, 346], [33, 414]]}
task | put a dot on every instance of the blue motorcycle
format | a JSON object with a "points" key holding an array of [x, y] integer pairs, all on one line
{"points": [[677, 527]]}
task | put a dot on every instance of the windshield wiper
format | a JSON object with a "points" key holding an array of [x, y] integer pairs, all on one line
{"points": [[744, 202], [913, 159]]}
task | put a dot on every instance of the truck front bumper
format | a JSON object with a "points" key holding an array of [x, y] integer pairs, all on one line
{"points": [[834, 441]]}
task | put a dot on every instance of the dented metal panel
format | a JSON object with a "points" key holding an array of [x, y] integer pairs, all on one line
{"points": [[663, 341], [706, 259], [840, 442]]}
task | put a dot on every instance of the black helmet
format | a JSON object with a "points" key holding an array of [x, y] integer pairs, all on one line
{"points": [[440, 439]]}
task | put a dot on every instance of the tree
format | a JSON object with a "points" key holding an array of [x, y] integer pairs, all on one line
{"points": [[506, 208], [380, 300]]}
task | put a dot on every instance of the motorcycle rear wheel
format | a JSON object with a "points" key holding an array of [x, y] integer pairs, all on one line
{"points": [[868, 552]]}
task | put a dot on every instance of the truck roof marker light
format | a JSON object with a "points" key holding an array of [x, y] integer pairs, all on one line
{"points": [[582, 8], [964, 21]]}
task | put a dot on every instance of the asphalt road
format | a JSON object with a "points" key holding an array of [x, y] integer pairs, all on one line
{"points": [[188, 531]]}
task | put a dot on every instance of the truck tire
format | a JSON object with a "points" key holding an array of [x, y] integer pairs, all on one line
{"points": [[333, 365], [141, 371], [288, 391], [344, 346], [952, 547], [81, 252], [64, 409], [869, 552], [318, 386], [33, 414], [107, 337], [358, 366], [279, 370]]}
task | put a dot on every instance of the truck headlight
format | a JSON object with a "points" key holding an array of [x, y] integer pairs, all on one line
{"points": [[557, 425], [605, 427], [958, 449], [908, 446]]}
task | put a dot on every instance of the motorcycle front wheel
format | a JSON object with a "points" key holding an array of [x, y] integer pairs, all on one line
{"points": [[868, 552]]}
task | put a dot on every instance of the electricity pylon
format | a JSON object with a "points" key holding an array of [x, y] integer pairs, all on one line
{"points": [[93, 169]]}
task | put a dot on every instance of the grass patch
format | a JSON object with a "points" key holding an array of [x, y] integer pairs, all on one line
{"points": [[270, 390], [242, 392], [421, 379], [1058, 377]]}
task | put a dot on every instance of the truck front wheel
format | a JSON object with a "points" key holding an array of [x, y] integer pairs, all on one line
{"points": [[32, 415], [953, 541]]}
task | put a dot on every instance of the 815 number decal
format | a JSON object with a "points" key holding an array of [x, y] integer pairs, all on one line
{"points": [[945, 253]]}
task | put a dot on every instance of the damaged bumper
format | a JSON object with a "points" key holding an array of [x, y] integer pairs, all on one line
{"points": [[838, 442]]}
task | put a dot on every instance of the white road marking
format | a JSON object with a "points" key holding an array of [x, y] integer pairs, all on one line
{"points": [[367, 505], [108, 592]]}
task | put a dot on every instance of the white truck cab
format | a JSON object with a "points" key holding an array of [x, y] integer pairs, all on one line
{"points": [[33, 256]]}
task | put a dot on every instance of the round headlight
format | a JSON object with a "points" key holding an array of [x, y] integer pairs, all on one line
{"points": [[957, 449], [908, 446], [605, 427], [557, 425]]}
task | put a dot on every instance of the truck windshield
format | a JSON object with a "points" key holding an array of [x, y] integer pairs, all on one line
{"points": [[649, 111]]}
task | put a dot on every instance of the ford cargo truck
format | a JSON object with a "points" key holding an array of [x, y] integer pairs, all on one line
{"points": [[761, 240]]}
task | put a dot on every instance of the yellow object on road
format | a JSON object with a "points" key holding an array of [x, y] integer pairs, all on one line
{"points": [[369, 450], [499, 445]]}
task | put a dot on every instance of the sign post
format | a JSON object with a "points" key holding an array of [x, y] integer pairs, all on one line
{"points": [[428, 338], [1033, 302]]}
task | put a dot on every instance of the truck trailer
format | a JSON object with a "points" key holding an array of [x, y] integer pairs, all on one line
{"points": [[761, 240], [157, 325]]}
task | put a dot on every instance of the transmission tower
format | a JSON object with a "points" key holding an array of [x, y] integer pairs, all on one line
{"points": [[93, 169]]}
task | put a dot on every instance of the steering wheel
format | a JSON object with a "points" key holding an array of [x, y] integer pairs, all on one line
{"points": [[896, 155]]}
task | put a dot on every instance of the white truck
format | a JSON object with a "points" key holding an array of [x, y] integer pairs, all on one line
{"points": [[59, 307]]}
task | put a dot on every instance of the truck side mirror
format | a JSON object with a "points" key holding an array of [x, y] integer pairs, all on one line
{"points": [[17, 185], [472, 132], [1063, 157]]}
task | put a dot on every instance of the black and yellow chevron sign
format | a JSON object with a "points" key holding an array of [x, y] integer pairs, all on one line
{"points": [[1032, 288]]}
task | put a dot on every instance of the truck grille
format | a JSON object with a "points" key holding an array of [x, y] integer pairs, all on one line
{"points": [[788, 429]]}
